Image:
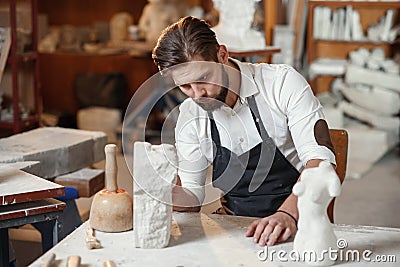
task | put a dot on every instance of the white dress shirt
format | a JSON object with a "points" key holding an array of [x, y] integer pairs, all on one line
{"points": [[288, 110]]}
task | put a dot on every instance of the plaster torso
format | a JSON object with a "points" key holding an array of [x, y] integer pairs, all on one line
{"points": [[315, 191]]}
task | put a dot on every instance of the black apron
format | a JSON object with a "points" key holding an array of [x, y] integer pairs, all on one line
{"points": [[257, 182]]}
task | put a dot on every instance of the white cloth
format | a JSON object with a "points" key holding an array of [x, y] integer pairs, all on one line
{"points": [[288, 110]]}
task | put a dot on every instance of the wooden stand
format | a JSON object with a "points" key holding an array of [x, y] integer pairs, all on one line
{"points": [[27, 199]]}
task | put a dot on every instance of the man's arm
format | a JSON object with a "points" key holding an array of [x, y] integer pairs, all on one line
{"points": [[183, 200], [279, 226]]}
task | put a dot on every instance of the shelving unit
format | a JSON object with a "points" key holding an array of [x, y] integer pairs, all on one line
{"points": [[135, 68], [15, 61], [370, 12], [59, 69]]}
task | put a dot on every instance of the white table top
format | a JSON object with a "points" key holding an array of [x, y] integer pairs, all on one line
{"points": [[213, 240]]}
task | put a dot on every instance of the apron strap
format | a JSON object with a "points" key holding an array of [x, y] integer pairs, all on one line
{"points": [[214, 130], [256, 116]]}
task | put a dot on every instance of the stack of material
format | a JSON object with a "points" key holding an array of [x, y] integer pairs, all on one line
{"points": [[370, 96], [344, 24]]}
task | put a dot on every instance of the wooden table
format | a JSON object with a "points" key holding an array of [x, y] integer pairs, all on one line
{"points": [[27, 199], [211, 240]]}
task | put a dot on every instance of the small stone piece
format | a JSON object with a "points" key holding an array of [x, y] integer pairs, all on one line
{"points": [[91, 240], [154, 172]]}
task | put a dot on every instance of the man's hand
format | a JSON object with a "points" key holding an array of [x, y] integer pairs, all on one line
{"points": [[184, 200], [275, 228]]}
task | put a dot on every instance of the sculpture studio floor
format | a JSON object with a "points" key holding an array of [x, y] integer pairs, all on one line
{"points": [[371, 200]]}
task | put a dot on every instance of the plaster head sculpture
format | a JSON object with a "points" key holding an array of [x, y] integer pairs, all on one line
{"points": [[156, 16], [119, 25], [234, 26], [315, 191]]}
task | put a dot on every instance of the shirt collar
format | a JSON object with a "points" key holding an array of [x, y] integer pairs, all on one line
{"points": [[248, 86]]}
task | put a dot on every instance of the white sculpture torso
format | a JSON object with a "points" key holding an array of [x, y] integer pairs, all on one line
{"points": [[315, 191], [234, 27]]}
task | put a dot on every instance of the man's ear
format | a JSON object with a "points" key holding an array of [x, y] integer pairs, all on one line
{"points": [[223, 54]]}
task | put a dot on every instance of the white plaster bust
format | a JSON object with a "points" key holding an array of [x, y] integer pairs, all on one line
{"points": [[315, 191], [234, 26], [157, 15]]}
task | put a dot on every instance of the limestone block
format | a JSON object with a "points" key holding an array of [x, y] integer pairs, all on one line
{"points": [[154, 172], [59, 150]]}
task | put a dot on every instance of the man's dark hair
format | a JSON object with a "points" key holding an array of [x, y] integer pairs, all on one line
{"points": [[183, 40]]}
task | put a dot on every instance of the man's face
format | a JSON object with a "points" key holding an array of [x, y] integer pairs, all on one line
{"points": [[204, 81]]}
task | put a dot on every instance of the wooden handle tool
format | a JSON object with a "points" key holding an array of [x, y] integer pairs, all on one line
{"points": [[49, 261], [74, 261], [111, 167], [109, 264]]}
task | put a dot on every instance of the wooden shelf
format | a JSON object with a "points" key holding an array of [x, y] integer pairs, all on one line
{"points": [[341, 49]]}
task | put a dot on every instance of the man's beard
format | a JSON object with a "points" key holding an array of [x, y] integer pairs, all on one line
{"points": [[210, 104]]}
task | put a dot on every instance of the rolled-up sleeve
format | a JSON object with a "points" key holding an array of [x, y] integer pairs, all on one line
{"points": [[193, 164], [306, 120]]}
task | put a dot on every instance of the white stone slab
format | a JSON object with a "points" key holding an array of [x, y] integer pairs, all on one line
{"points": [[327, 66], [155, 173], [356, 74], [381, 100], [366, 146], [381, 122], [59, 150]]}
